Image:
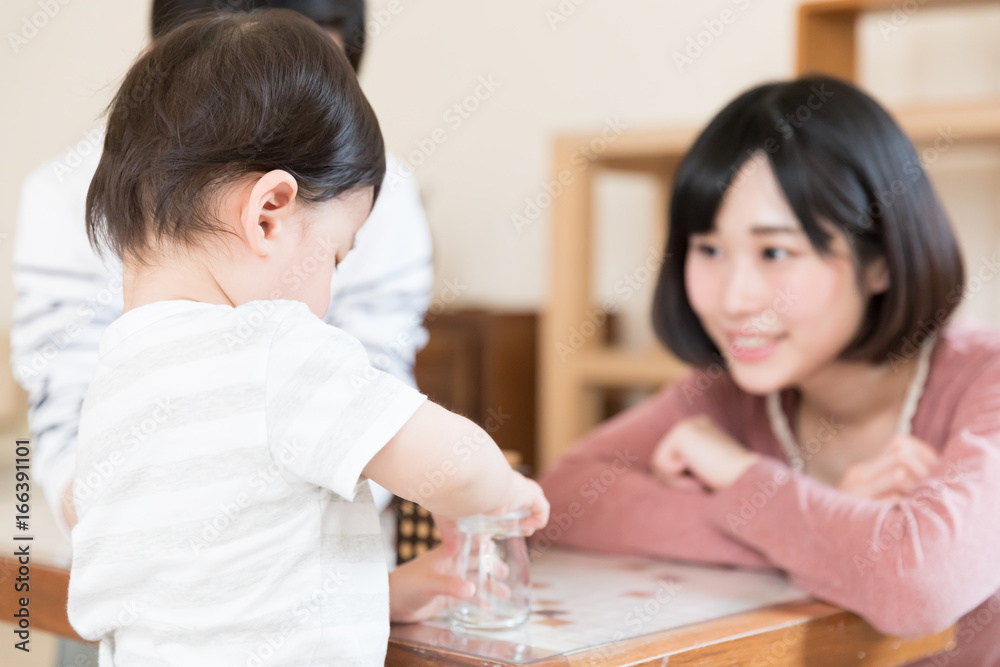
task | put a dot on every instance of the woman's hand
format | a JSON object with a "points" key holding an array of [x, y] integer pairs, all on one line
{"points": [[894, 473], [696, 445], [419, 588]]}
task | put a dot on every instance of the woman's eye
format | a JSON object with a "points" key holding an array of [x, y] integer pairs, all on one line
{"points": [[776, 253], [707, 250]]}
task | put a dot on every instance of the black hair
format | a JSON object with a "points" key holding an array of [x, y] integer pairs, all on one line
{"points": [[346, 17], [219, 98], [840, 159]]}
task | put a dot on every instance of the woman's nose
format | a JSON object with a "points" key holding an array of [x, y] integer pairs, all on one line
{"points": [[746, 292]]}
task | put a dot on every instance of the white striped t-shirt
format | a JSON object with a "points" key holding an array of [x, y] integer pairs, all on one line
{"points": [[223, 518]]}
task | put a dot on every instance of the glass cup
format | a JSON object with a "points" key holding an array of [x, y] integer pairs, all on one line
{"points": [[493, 555]]}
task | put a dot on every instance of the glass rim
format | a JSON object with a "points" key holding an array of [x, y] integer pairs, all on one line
{"points": [[477, 523]]}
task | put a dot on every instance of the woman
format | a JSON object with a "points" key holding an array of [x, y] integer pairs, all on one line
{"points": [[836, 425]]}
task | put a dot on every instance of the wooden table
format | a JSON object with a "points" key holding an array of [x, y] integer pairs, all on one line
{"points": [[581, 601], [595, 610]]}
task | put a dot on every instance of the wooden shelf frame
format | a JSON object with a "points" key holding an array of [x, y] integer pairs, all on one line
{"points": [[827, 42]]}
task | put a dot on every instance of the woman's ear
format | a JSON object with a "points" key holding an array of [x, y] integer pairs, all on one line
{"points": [[267, 211], [877, 276]]}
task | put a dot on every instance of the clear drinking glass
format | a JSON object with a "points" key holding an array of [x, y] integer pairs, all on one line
{"points": [[493, 555]]}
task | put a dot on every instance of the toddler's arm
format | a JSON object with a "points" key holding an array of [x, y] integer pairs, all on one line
{"points": [[450, 466]]}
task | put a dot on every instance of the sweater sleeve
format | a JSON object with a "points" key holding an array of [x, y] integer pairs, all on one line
{"points": [[910, 567], [604, 497]]}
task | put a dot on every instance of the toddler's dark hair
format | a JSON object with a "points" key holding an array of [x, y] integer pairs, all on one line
{"points": [[346, 17], [218, 98]]}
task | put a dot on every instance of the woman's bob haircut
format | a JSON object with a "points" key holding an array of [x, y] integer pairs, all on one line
{"points": [[845, 167]]}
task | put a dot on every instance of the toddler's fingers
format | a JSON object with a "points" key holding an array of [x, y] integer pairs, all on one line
{"points": [[492, 590], [456, 587], [539, 513]]}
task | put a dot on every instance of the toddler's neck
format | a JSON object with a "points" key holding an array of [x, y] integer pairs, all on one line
{"points": [[145, 285]]}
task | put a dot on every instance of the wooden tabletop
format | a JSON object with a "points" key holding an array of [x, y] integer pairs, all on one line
{"points": [[597, 610], [592, 610]]}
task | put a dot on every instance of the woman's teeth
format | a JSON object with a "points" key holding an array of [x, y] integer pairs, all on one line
{"points": [[752, 342]]}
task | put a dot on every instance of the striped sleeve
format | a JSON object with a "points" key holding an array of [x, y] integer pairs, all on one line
{"points": [[383, 288], [328, 410], [64, 299]]}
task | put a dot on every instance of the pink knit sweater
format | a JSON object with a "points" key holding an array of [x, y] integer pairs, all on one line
{"points": [[910, 567]]}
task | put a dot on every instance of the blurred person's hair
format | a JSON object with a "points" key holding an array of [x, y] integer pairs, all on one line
{"points": [[840, 160], [345, 17], [220, 98]]}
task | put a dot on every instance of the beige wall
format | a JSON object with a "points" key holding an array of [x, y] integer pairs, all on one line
{"points": [[606, 60]]}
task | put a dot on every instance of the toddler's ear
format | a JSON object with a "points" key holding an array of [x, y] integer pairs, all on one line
{"points": [[267, 211]]}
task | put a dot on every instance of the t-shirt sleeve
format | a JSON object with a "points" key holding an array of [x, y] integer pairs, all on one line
{"points": [[328, 410]]}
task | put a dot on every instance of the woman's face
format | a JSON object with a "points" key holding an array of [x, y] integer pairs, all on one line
{"points": [[777, 310]]}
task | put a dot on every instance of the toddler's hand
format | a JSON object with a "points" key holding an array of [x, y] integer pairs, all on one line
{"points": [[419, 589], [526, 493], [523, 493]]}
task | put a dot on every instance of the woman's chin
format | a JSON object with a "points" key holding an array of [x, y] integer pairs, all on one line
{"points": [[760, 380]]}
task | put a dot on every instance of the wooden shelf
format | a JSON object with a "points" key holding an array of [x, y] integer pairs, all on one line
{"points": [[611, 368], [827, 32], [977, 121], [654, 150], [657, 151]]}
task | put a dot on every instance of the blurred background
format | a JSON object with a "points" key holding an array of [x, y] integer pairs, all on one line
{"points": [[473, 95]]}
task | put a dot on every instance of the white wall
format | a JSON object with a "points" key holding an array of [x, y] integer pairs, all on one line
{"points": [[609, 59]]}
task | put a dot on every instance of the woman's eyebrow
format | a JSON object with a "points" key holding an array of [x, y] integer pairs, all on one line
{"points": [[774, 229]]}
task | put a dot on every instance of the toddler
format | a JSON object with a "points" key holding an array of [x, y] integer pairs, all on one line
{"points": [[227, 437]]}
